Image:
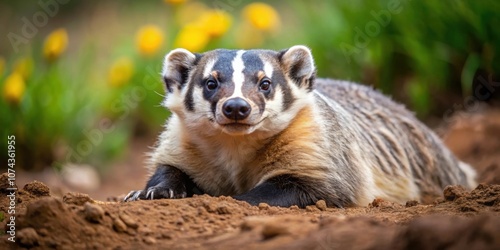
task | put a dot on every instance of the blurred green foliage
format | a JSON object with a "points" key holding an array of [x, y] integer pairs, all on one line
{"points": [[85, 101]]}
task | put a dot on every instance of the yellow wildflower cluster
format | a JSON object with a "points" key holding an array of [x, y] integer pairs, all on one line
{"points": [[15, 83], [120, 72], [259, 19], [192, 37], [14, 87], [196, 34], [149, 39], [261, 16], [55, 44]]}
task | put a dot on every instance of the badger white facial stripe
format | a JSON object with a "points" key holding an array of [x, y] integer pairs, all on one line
{"points": [[208, 68], [268, 69], [238, 76]]}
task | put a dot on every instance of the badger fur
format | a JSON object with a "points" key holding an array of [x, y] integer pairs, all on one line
{"points": [[258, 126]]}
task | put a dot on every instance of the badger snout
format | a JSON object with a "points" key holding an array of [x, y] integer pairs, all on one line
{"points": [[236, 109]]}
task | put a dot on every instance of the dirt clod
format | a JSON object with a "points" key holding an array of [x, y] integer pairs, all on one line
{"points": [[93, 212], [411, 203], [76, 198], [128, 220], [28, 237], [263, 206], [149, 240], [452, 193], [311, 209], [37, 189], [119, 225], [321, 205]]}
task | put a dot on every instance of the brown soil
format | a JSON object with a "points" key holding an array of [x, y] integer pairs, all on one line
{"points": [[457, 220]]}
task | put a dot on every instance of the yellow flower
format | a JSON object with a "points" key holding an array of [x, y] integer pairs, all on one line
{"points": [[24, 66], [215, 22], [248, 37], [192, 37], [175, 1], [14, 87], [120, 72], [55, 44], [262, 16], [184, 14], [2, 65], [149, 39]]}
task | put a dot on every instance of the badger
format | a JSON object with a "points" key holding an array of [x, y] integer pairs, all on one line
{"points": [[259, 126]]}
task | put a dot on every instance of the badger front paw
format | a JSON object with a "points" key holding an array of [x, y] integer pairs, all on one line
{"points": [[166, 183], [161, 191]]}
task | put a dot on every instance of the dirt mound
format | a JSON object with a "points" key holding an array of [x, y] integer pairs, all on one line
{"points": [[459, 219]]}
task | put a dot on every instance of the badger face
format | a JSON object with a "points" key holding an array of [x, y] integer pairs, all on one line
{"points": [[238, 92]]}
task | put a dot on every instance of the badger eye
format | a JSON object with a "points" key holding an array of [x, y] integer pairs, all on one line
{"points": [[211, 84], [265, 85]]}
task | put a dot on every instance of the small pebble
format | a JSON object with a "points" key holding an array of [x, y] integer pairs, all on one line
{"points": [[93, 212], [321, 205], [129, 221], [311, 209], [263, 206], [149, 240], [411, 203], [119, 226]]}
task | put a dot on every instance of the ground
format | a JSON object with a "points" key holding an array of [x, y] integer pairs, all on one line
{"points": [[459, 219]]}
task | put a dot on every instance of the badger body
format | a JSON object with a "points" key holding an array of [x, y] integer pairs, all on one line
{"points": [[257, 125]]}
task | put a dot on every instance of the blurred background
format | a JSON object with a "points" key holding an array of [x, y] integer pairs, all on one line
{"points": [[80, 85]]}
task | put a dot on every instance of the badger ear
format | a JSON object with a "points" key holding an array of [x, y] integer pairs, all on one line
{"points": [[176, 67], [298, 64]]}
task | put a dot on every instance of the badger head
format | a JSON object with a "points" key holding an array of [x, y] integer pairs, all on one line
{"points": [[238, 92]]}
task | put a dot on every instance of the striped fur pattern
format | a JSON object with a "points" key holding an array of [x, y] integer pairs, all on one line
{"points": [[325, 139]]}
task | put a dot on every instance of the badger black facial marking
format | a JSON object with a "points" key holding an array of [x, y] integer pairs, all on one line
{"points": [[223, 65], [168, 84], [188, 100], [253, 64], [293, 72], [288, 97]]}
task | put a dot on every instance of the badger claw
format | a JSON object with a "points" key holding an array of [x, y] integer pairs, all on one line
{"points": [[134, 195], [156, 192], [166, 183]]}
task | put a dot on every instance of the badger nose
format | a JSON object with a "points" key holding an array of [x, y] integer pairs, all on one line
{"points": [[236, 109]]}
